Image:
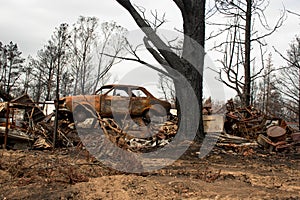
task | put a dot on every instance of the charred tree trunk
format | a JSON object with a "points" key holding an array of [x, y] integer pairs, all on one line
{"points": [[193, 13], [9, 76], [247, 67], [38, 93], [49, 81], [187, 108]]}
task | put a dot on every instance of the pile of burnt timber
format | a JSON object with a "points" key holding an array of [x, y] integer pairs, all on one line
{"points": [[271, 133], [18, 119], [249, 122], [23, 125]]}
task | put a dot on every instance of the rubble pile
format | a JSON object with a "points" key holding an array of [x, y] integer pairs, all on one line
{"points": [[26, 127], [134, 135], [29, 128], [248, 122], [269, 132]]}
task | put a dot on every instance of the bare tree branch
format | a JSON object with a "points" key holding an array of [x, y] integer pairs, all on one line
{"points": [[297, 14], [142, 62]]}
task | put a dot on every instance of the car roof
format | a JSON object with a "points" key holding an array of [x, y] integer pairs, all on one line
{"points": [[120, 85], [124, 86]]}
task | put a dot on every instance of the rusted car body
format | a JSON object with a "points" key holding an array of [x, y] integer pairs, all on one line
{"points": [[116, 100]]}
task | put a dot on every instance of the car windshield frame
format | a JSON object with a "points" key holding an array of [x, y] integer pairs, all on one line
{"points": [[127, 88]]}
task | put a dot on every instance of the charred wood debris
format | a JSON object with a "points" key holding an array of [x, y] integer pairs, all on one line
{"points": [[24, 125]]}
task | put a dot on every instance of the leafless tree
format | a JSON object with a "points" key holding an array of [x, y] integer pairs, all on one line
{"points": [[61, 39], [47, 59], [111, 41], [242, 38], [268, 98], [37, 84], [50, 64], [28, 75], [166, 85], [90, 64], [289, 80], [82, 43], [11, 68]]}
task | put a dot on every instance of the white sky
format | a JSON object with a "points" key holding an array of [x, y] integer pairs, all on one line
{"points": [[30, 23]]}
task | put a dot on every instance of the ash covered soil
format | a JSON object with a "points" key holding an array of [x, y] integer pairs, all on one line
{"points": [[72, 174]]}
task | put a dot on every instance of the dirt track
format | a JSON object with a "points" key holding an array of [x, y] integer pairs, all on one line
{"points": [[66, 174]]}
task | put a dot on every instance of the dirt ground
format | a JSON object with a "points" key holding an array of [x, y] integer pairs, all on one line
{"points": [[70, 174]]}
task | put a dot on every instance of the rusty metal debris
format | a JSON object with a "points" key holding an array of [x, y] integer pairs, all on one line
{"points": [[207, 107], [249, 122], [276, 133], [270, 132]]}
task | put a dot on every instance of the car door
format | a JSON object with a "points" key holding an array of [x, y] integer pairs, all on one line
{"points": [[139, 102], [115, 102]]}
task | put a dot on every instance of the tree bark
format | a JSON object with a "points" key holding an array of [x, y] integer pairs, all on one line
{"points": [[247, 67]]}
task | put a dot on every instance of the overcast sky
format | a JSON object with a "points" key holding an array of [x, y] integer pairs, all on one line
{"points": [[30, 23]]}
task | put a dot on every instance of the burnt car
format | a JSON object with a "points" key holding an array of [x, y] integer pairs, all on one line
{"points": [[113, 101]]}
